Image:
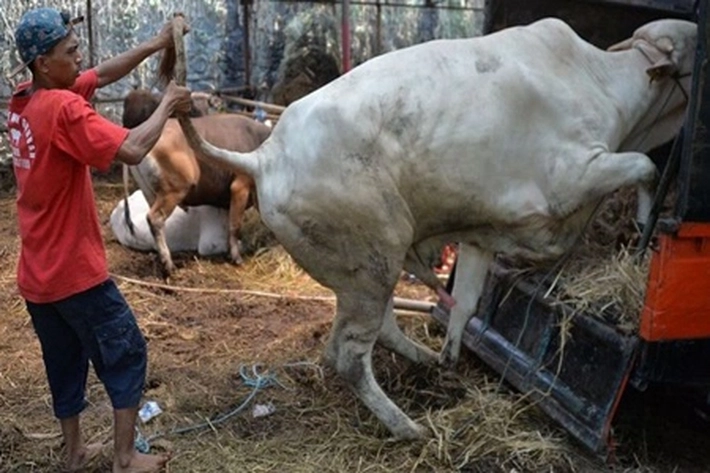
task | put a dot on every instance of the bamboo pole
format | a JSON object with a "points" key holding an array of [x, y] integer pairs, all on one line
{"points": [[413, 305], [90, 32], [399, 302], [268, 107], [345, 35], [271, 117], [247, 47]]}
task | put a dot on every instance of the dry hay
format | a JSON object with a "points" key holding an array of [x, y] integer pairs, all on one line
{"points": [[319, 425], [203, 325], [207, 322], [602, 276], [611, 288]]}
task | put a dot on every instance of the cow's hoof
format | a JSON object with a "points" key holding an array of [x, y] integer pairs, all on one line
{"points": [[427, 357], [167, 269], [413, 431], [238, 261], [329, 357], [447, 358], [447, 363]]}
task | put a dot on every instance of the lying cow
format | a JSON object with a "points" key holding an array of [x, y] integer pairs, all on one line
{"points": [[170, 175], [203, 229], [505, 143]]}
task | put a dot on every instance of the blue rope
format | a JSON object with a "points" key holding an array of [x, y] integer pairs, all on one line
{"points": [[257, 380]]}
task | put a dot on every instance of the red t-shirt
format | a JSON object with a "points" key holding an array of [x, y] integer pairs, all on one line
{"points": [[55, 137]]}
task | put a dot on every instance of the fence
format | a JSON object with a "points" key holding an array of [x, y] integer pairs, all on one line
{"points": [[236, 45]]}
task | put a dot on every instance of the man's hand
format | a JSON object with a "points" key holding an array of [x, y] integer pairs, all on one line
{"points": [[115, 68], [177, 98], [165, 37], [141, 139]]}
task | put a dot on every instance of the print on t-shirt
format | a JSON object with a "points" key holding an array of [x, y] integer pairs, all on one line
{"points": [[22, 143]]}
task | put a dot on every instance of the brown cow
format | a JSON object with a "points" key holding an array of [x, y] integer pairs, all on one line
{"points": [[170, 175]]}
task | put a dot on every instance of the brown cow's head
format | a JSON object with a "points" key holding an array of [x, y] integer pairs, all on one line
{"points": [[139, 104]]}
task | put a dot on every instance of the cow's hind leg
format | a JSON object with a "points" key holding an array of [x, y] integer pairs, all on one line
{"points": [[471, 269], [392, 338], [358, 321], [239, 189]]}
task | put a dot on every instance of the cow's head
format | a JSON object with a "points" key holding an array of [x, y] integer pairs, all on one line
{"points": [[669, 47], [668, 44]]}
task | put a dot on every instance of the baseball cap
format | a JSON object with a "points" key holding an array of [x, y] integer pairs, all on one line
{"points": [[39, 31]]}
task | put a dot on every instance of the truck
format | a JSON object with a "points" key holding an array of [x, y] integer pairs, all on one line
{"points": [[578, 371]]}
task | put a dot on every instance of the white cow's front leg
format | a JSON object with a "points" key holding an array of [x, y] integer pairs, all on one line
{"points": [[608, 172], [472, 266], [645, 202]]}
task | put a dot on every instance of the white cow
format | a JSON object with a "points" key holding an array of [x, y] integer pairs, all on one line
{"points": [[203, 228], [505, 143]]}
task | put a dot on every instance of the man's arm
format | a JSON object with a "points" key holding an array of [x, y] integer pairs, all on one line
{"points": [[141, 139], [117, 67]]}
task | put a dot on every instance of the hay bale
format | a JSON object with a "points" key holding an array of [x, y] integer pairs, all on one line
{"points": [[601, 276], [612, 288]]}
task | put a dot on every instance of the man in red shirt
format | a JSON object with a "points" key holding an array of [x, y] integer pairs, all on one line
{"points": [[77, 311]]}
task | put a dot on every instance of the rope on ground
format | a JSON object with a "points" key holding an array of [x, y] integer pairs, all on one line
{"points": [[220, 291], [257, 380], [399, 302]]}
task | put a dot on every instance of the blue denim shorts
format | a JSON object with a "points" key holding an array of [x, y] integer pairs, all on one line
{"points": [[95, 325]]}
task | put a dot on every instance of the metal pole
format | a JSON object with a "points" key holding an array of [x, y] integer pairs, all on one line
{"points": [[247, 50], [346, 35], [693, 203], [90, 27], [378, 33]]}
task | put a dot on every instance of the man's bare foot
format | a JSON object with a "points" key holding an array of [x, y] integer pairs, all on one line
{"points": [[84, 457], [140, 463]]}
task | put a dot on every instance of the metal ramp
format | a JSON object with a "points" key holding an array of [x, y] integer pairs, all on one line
{"points": [[575, 374]]}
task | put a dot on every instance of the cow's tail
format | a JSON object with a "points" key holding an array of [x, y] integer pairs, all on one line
{"points": [[242, 162], [126, 207], [175, 66], [144, 184]]}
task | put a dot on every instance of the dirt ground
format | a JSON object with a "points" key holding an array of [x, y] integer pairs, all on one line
{"points": [[212, 319]]}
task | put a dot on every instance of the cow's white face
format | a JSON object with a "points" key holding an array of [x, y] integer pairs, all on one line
{"points": [[676, 38], [669, 46]]}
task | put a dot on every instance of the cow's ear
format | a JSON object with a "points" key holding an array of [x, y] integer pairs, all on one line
{"points": [[662, 68], [665, 44], [621, 46]]}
